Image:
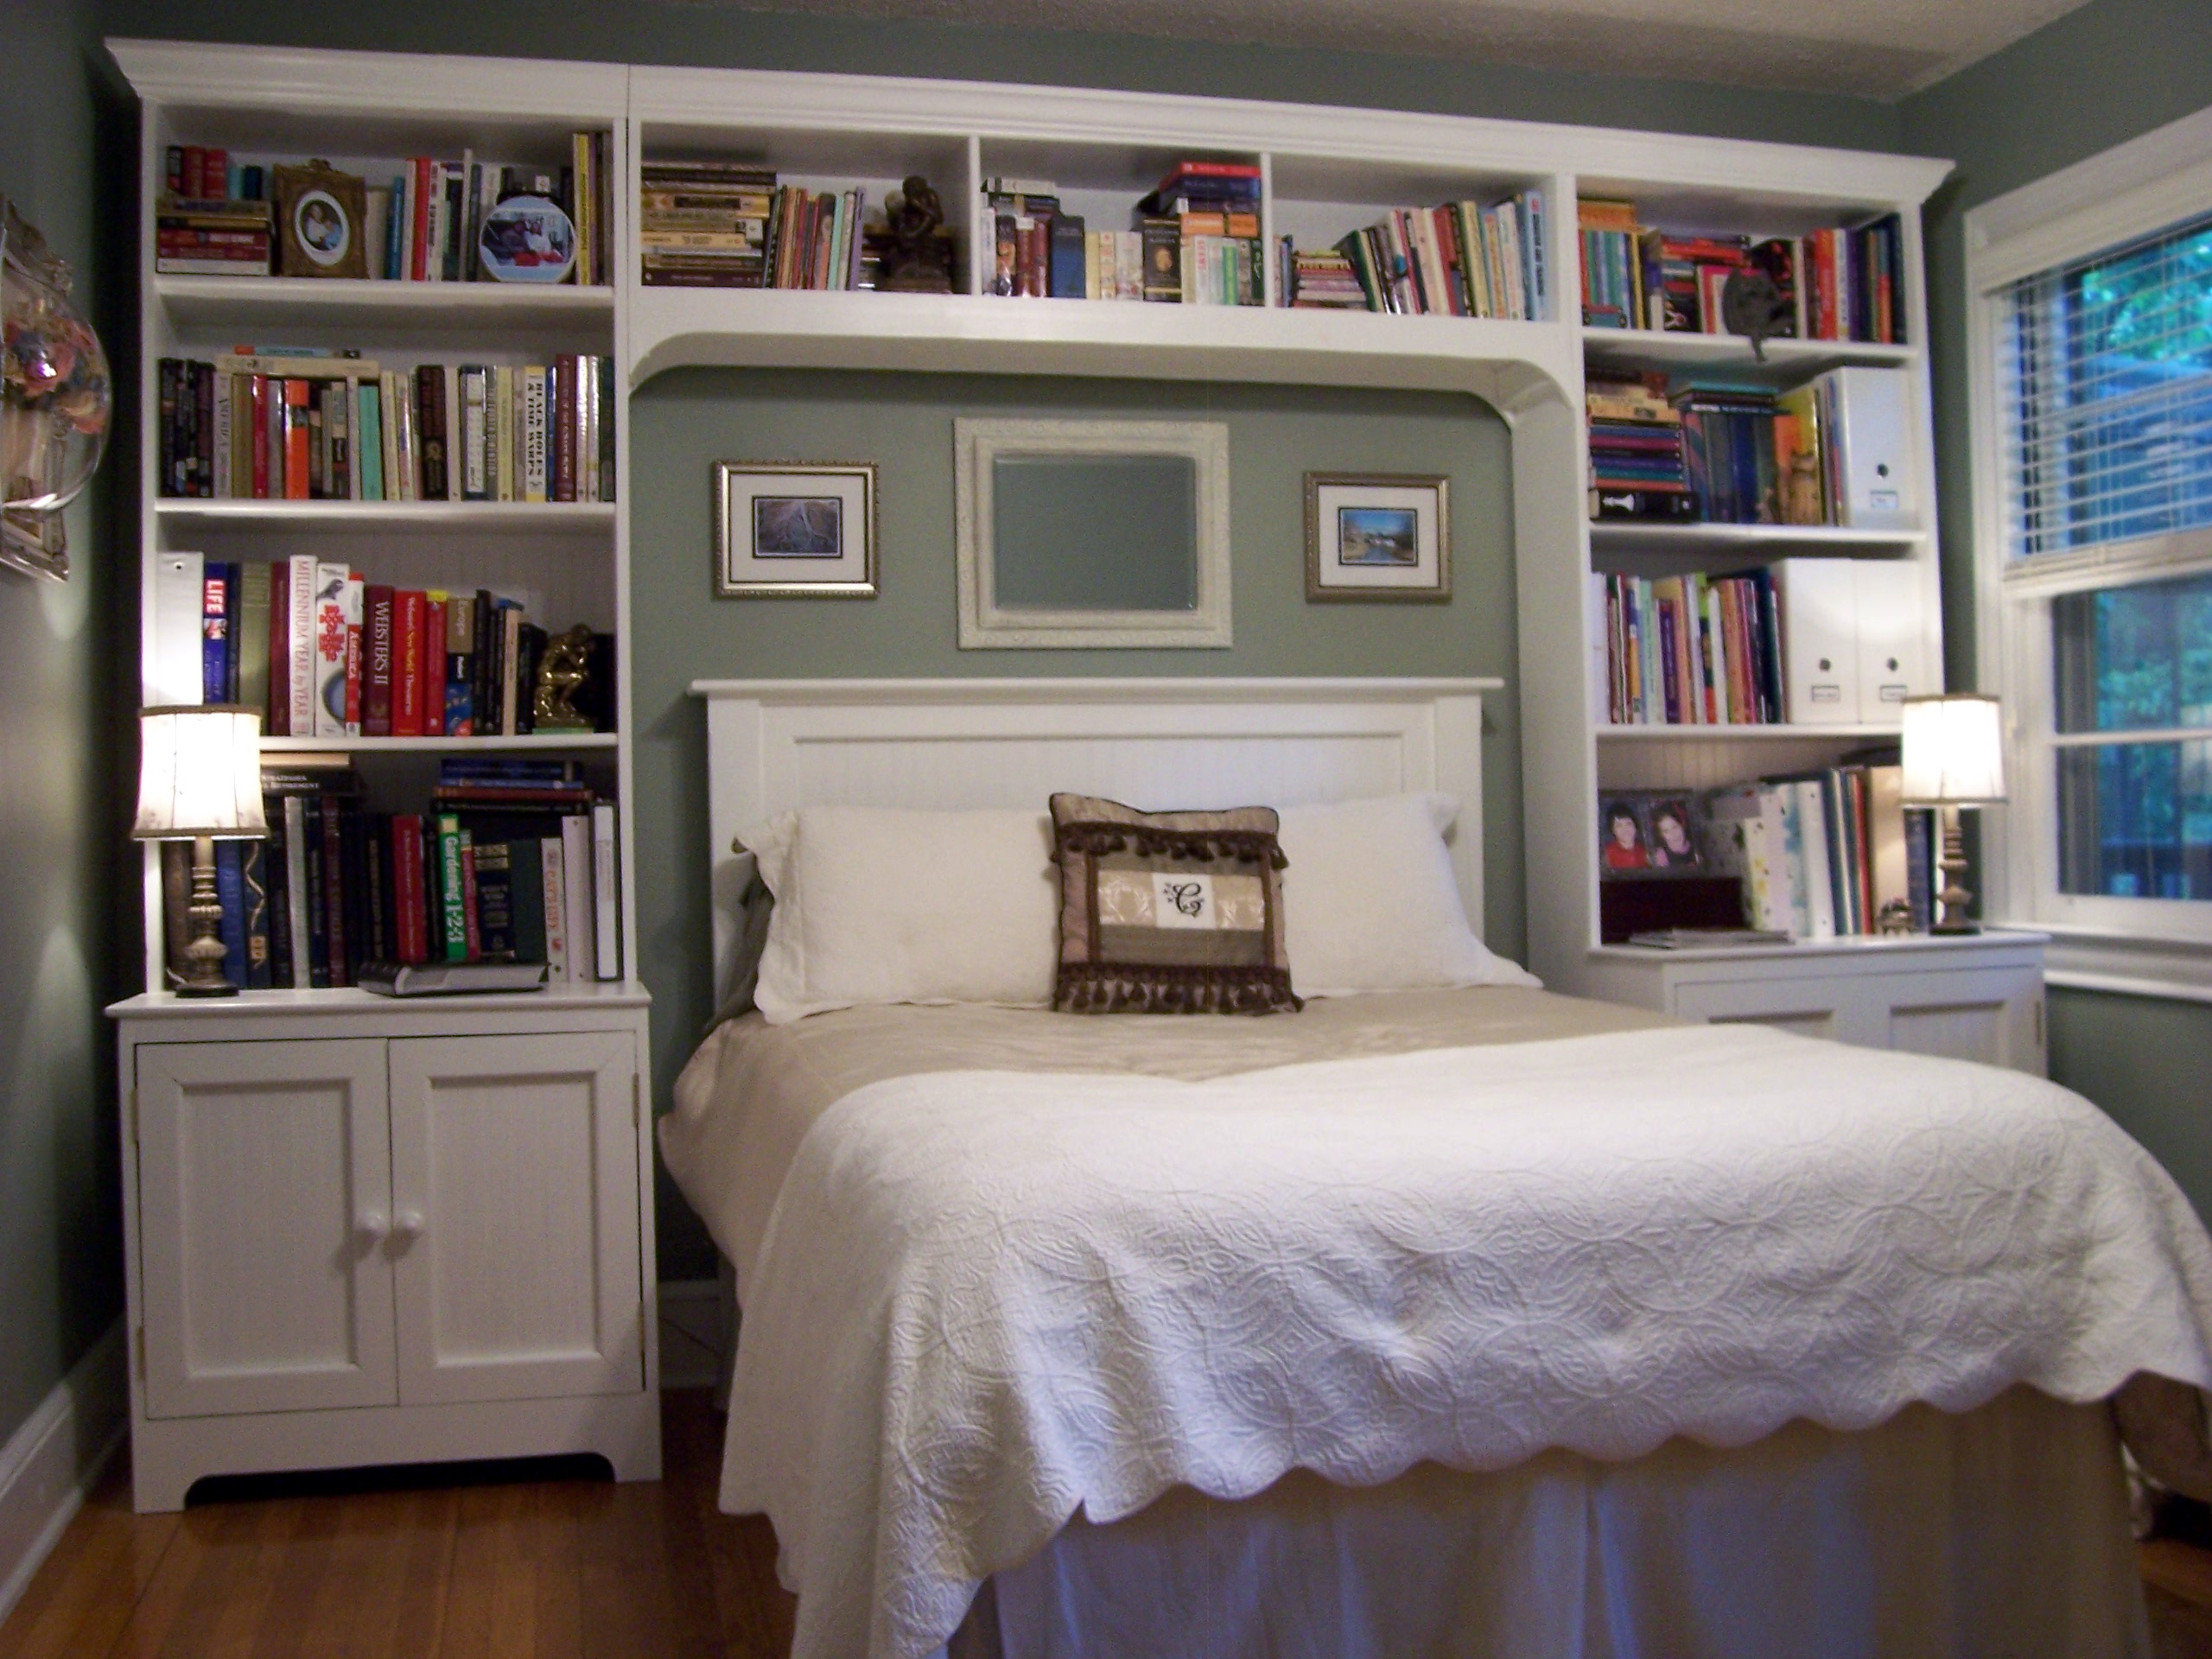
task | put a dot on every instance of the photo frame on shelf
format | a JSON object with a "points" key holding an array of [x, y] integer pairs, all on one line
{"points": [[321, 216], [794, 530], [1377, 536], [1646, 833]]}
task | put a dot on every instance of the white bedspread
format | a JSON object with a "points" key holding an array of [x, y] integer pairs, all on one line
{"points": [[985, 1299]]}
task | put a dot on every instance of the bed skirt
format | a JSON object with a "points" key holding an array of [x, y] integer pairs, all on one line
{"points": [[2000, 1532]]}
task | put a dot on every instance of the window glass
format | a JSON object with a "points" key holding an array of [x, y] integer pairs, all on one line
{"points": [[2135, 820], [2134, 658]]}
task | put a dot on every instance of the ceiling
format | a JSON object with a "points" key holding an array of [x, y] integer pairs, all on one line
{"points": [[1877, 48]]}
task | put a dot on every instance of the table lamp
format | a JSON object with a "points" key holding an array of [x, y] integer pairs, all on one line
{"points": [[1953, 757], [200, 779]]}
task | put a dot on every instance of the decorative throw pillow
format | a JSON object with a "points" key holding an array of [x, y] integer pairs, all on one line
{"points": [[1169, 913]]}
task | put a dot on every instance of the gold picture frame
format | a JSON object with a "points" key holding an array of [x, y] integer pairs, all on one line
{"points": [[1379, 536], [322, 218]]}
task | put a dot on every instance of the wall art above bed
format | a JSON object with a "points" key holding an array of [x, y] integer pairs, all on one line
{"points": [[1377, 536], [794, 530]]}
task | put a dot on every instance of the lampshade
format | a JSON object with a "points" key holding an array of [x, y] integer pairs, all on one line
{"points": [[199, 772], [1953, 750]]}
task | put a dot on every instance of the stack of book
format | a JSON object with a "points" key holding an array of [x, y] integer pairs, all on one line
{"points": [[1461, 259], [321, 651], [1320, 279], [514, 860], [1838, 284], [705, 224], [1636, 466], [299, 425], [1021, 218], [1201, 235], [1825, 853], [814, 241], [211, 236], [1693, 651]]}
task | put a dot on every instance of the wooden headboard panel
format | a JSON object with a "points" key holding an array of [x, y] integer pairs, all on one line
{"points": [[775, 746]]}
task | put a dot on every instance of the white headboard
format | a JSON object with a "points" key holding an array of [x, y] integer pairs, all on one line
{"points": [[774, 746]]}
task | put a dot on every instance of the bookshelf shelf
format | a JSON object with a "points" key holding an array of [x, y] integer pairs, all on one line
{"points": [[1787, 361], [1739, 734], [540, 742], [1628, 537], [1502, 360], [388, 515], [421, 308]]}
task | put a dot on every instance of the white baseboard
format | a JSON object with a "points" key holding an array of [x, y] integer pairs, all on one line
{"points": [[50, 1462], [691, 1333]]}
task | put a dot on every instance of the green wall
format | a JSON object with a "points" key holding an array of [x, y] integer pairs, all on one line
{"points": [[59, 1245], [2094, 78]]}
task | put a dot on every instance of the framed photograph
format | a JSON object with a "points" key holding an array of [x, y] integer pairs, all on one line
{"points": [[794, 530], [1372, 535], [320, 217], [1641, 834]]}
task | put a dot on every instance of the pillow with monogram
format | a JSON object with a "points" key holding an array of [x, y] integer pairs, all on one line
{"points": [[1169, 913]]}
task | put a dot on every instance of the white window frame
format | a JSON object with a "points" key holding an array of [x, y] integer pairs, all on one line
{"points": [[2150, 946]]}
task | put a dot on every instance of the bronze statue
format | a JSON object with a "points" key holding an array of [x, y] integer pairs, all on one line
{"points": [[919, 258], [562, 672]]}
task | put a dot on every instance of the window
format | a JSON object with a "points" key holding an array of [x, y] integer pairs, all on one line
{"points": [[2091, 299]]}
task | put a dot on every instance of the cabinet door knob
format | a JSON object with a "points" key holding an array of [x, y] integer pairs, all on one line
{"points": [[408, 1223], [371, 1224]]}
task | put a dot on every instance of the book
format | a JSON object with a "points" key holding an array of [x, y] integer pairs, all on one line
{"points": [[217, 580], [553, 907], [408, 607], [379, 669], [605, 881], [578, 910], [450, 978], [250, 632], [1695, 939], [453, 940]]}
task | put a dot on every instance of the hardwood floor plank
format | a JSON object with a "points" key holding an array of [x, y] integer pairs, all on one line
{"points": [[77, 1605], [517, 1583], [647, 1592], [756, 1612], [207, 1597], [363, 1576]]}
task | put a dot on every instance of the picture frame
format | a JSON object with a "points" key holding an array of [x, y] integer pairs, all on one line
{"points": [[1377, 536], [794, 530], [321, 216], [1642, 833]]}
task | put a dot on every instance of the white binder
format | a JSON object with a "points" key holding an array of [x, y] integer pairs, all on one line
{"points": [[1819, 600], [1873, 463], [177, 675], [1892, 642]]}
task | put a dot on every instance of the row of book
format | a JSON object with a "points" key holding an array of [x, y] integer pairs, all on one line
{"points": [[512, 861], [1194, 239], [1637, 469], [1844, 284], [321, 651], [1694, 650], [299, 425], [1826, 853], [1461, 259], [426, 225]]}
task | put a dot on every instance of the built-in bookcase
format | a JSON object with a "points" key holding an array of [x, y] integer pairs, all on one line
{"points": [[566, 563]]}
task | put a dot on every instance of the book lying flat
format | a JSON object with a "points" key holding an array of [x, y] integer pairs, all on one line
{"points": [[1694, 938], [448, 978]]}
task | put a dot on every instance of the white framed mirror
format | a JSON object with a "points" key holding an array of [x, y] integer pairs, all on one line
{"points": [[1098, 533]]}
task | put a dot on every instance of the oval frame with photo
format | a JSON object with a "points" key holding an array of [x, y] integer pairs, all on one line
{"points": [[321, 218]]}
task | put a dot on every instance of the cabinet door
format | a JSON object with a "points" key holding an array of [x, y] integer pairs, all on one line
{"points": [[1991, 1014], [515, 1216], [263, 1183], [1810, 1008]]}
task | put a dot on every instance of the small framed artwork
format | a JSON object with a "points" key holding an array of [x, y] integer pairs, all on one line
{"points": [[320, 215], [1377, 536], [794, 530], [1641, 834]]}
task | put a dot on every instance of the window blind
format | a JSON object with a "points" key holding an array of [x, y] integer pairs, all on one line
{"points": [[2106, 375]]}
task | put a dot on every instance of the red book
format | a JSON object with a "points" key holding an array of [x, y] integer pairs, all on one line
{"points": [[296, 440], [418, 266], [278, 717], [564, 429], [215, 173], [407, 618], [434, 669], [195, 171], [333, 891], [412, 933], [257, 390], [468, 897], [354, 662], [376, 672]]}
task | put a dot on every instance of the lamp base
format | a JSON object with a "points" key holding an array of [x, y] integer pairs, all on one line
{"points": [[1950, 864], [203, 956]]}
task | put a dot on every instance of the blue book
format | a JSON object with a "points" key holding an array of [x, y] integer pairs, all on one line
{"points": [[217, 588], [1067, 279], [230, 891], [368, 440], [396, 223]]}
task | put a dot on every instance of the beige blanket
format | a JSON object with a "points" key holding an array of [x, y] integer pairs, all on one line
{"points": [[751, 1092]]}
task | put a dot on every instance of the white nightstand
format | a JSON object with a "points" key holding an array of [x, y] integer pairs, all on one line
{"points": [[362, 1231], [1978, 997]]}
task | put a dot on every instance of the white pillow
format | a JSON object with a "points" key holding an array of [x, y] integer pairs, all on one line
{"points": [[1369, 902], [876, 905]]}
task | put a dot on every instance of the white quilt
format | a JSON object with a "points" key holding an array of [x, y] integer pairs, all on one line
{"points": [[986, 1299]]}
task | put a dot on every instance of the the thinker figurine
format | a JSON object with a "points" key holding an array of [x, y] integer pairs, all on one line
{"points": [[562, 672], [919, 258]]}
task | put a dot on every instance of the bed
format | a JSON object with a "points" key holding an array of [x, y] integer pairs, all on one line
{"points": [[1391, 1327]]}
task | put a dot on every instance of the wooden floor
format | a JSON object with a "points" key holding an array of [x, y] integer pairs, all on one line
{"points": [[538, 1561]]}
